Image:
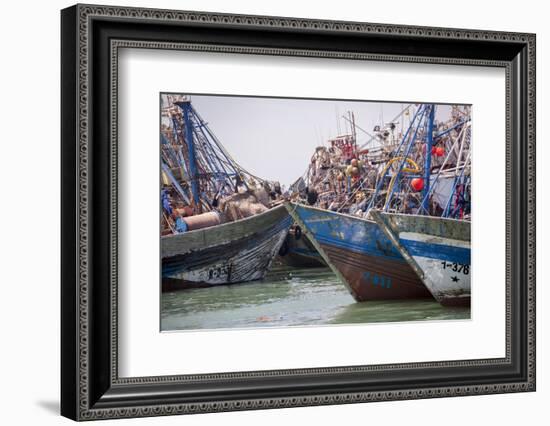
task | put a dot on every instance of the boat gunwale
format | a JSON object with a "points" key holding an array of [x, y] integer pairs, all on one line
{"points": [[225, 224], [397, 227], [450, 219], [330, 211]]}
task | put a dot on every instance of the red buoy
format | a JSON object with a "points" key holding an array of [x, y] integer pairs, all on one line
{"points": [[440, 151], [417, 184]]}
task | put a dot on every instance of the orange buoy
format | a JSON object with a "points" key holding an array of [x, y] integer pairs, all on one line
{"points": [[417, 184], [440, 151]]}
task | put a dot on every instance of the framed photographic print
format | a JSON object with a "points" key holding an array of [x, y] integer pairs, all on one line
{"points": [[263, 212]]}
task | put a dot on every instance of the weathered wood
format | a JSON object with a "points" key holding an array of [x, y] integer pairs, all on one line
{"points": [[360, 254], [233, 252], [438, 249]]}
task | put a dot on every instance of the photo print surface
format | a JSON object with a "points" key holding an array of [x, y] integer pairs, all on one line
{"points": [[281, 212]]}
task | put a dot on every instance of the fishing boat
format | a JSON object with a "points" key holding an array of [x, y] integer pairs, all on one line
{"points": [[299, 252], [423, 170], [219, 224], [438, 249], [228, 253], [360, 254]]}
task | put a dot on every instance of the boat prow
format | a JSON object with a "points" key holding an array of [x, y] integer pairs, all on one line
{"points": [[229, 253], [438, 249], [360, 254]]}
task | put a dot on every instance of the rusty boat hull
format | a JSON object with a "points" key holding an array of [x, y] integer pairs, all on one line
{"points": [[229, 253], [360, 254], [438, 249]]}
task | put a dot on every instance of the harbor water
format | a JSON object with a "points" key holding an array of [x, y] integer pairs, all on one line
{"points": [[289, 297]]}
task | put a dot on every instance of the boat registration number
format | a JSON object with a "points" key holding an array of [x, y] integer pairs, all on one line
{"points": [[457, 267], [377, 280]]}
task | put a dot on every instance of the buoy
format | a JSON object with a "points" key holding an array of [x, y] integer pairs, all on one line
{"points": [[417, 184], [204, 220], [440, 151], [184, 211]]}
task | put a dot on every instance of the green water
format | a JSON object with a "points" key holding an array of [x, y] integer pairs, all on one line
{"points": [[289, 297]]}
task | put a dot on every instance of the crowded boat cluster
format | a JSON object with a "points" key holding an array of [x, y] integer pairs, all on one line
{"points": [[390, 215], [391, 171]]}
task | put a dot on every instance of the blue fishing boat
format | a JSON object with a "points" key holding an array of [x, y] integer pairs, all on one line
{"points": [[360, 254], [438, 249]]}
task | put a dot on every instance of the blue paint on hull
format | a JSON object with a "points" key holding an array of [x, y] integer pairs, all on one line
{"points": [[361, 255], [437, 251], [349, 233]]}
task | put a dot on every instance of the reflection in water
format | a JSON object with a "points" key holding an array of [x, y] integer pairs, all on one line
{"points": [[289, 297]]}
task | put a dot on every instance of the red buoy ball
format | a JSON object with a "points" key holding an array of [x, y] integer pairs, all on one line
{"points": [[417, 184], [440, 151]]}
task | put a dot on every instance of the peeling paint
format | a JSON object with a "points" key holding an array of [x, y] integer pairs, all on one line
{"points": [[438, 249]]}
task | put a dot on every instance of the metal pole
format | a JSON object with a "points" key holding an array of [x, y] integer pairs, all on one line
{"points": [[428, 160], [407, 150], [193, 175], [396, 151]]}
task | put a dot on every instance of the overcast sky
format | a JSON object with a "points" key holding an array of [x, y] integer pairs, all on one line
{"points": [[275, 138]]}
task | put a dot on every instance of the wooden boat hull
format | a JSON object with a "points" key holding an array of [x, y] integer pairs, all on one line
{"points": [[360, 254], [299, 252], [229, 253], [438, 249]]}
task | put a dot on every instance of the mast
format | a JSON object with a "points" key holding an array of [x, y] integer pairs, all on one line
{"points": [[428, 159], [353, 132], [193, 172]]}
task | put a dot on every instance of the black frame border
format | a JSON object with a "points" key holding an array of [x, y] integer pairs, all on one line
{"points": [[91, 35]]}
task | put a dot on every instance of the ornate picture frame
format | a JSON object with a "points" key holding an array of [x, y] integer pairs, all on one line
{"points": [[91, 37]]}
